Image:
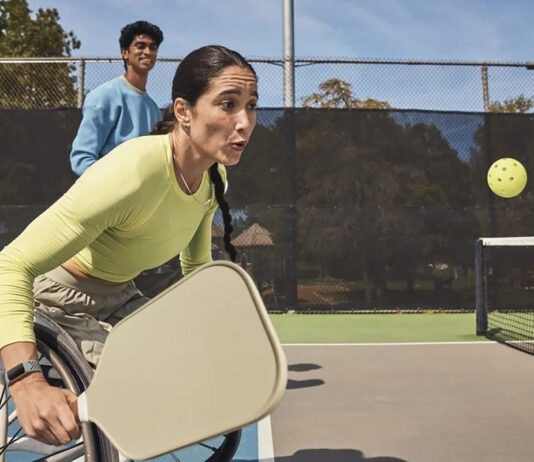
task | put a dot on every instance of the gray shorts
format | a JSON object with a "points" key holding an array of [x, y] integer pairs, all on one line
{"points": [[86, 309]]}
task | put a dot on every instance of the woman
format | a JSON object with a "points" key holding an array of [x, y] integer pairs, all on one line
{"points": [[151, 199]]}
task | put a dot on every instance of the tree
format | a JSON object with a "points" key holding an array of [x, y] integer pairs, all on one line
{"points": [[336, 93], [374, 197], [35, 85], [521, 104]]}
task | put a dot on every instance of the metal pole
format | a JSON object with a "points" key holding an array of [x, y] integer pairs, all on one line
{"points": [[480, 293], [81, 82], [485, 87], [290, 276], [289, 55]]}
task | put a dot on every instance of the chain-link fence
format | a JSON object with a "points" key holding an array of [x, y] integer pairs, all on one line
{"points": [[427, 85]]}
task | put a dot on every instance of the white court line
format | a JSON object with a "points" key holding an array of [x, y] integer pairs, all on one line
{"points": [[265, 440], [480, 342]]}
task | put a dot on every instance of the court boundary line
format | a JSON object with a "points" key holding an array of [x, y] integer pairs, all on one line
{"points": [[265, 440], [478, 342]]}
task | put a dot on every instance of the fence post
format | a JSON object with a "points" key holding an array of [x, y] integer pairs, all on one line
{"points": [[81, 82], [290, 276], [485, 87]]}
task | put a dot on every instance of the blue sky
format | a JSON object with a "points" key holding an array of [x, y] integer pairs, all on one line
{"points": [[460, 30], [403, 29]]}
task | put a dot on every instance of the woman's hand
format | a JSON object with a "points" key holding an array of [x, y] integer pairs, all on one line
{"points": [[46, 413]]}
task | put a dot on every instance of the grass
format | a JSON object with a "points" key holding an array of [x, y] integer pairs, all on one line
{"points": [[375, 328]]}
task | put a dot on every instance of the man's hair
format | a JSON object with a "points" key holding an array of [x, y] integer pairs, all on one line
{"points": [[129, 32]]}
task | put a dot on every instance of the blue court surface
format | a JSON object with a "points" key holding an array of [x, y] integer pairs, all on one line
{"points": [[253, 438], [248, 450]]}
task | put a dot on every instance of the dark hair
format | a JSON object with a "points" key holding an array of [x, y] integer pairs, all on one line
{"points": [[199, 67], [191, 80], [167, 122], [129, 32]]}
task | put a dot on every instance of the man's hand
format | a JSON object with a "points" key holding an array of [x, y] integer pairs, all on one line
{"points": [[46, 413]]}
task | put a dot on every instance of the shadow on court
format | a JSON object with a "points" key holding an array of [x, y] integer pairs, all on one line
{"points": [[303, 367], [337, 455], [293, 384]]}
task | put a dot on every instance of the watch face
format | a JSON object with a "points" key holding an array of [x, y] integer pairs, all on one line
{"points": [[15, 372]]}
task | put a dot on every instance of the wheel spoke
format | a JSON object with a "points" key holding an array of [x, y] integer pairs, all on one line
{"points": [[213, 448], [13, 439], [61, 455]]}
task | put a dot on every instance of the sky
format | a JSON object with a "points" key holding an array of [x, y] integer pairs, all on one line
{"points": [[451, 30], [499, 30]]}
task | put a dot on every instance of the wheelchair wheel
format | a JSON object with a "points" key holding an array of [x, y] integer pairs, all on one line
{"points": [[220, 449], [64, 366]]}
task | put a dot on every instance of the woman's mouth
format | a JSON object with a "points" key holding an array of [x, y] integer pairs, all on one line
{"points": [[238, 146]]}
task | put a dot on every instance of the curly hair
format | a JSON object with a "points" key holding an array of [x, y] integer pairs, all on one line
{"points": [[129, 32]]}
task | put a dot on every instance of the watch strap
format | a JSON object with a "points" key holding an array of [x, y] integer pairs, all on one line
{"points": [[22, 370]]}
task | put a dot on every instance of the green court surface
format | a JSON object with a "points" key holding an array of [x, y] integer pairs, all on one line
{"points": [[375, 328]]}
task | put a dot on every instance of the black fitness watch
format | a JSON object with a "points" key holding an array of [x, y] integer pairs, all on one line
{"points": [[22, 370]]}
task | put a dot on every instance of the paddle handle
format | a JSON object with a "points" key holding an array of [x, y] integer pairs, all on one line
{"points": [[82, 408]]}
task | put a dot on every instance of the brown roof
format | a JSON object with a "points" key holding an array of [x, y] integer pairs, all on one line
{"points": [[216, 231], [254, 236]]}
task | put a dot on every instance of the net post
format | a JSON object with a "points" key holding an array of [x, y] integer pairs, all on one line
{"points": [[480, 299]]}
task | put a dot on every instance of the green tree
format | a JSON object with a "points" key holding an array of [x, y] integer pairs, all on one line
{"points": [[521, 104], [375, 197], [337, 94], [21, 35], [356, 205]]}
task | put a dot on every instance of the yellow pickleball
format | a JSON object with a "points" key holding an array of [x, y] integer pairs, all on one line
{"points": [[507, 177]]}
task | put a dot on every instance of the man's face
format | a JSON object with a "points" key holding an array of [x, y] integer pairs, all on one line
{"points": [[141, 54]]}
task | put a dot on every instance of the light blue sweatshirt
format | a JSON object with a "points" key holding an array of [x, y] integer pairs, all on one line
{"points": [[114, 112]]}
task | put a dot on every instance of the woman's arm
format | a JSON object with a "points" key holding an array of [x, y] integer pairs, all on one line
{"points": [[198, 252], [46, 413]]}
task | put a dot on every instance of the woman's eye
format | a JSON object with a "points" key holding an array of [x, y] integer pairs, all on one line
{"points": [[227, 104], [252, 106]]}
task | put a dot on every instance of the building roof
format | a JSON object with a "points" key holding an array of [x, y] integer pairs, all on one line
{"points": [[254, 236]]}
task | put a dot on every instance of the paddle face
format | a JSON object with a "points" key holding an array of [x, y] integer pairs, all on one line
{"points": [[199, 360]]}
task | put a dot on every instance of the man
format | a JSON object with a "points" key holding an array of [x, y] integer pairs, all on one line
{"points": [[119, 109]]}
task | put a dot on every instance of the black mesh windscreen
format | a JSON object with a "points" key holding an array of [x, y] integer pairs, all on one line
{"points": [[333, 209]]}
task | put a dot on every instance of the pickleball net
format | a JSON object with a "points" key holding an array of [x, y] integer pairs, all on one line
{"points": [[504, 272]]}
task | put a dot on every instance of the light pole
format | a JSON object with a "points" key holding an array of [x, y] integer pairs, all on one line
{"points": [[289, 55]]}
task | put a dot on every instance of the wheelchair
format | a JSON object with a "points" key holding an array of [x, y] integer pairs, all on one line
{"points": [[64, 366]]}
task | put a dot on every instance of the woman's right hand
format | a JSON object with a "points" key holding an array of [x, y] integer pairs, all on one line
{"points": [[46, 413]]}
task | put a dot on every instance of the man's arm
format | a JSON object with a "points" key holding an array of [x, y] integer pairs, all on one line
{"points": [[95, 127]]}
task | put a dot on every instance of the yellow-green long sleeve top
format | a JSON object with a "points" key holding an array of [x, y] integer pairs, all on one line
{"points": [[125, 214]]}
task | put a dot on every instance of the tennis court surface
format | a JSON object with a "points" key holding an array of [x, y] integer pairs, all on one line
{"points": [[441, 402]]}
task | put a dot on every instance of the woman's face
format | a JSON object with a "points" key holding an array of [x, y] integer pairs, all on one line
{"points": [[223, 118]]}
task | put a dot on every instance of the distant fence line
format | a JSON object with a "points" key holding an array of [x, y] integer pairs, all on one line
{"points": [[405, 84]]}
